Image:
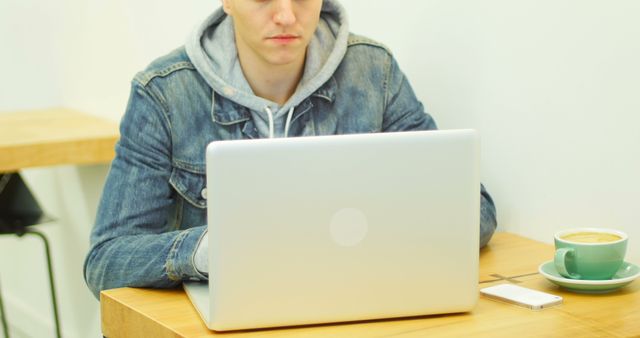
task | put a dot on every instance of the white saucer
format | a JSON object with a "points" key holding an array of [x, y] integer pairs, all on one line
{"points": [[628, 273]]}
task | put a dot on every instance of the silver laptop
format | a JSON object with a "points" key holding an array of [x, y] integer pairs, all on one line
{"points": [[340, 228]]}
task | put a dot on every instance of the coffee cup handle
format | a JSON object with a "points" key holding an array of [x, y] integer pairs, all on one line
{"points": [[560, 260]]}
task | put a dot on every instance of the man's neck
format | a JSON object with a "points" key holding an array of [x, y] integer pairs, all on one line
{"points": [[274, 83]]}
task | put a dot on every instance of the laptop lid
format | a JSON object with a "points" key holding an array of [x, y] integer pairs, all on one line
{"points": [[340, 228]]}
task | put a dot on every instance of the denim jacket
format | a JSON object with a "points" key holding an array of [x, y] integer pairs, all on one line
{"points": [[152, 213]]}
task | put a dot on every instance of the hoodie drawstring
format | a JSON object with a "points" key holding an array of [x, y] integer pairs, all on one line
{"points": [[286, 125], [270, 114]]}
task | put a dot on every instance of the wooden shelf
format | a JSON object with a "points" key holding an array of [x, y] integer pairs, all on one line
{"points": [[57, 136]]}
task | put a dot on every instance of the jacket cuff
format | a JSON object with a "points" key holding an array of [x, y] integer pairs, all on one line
{"points": [[179, 264], [201, 256]]}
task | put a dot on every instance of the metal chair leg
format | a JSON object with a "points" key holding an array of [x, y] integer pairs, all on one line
{"points": [[5, 327], [51, 285]]}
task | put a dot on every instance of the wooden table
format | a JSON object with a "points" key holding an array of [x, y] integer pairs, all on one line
{"points": [[129, 312], [54, 137]]}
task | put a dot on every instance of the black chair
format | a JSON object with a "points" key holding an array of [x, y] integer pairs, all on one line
{"points": [[19, 212]]}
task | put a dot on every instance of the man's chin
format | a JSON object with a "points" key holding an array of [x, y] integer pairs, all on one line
{"points": [[284, 60]]}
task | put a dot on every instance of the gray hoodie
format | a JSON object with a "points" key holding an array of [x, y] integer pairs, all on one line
{"points": [[212, 51]]}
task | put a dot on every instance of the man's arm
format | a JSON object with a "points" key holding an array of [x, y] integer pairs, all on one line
{"points": [[133, 242], [404, 112]]}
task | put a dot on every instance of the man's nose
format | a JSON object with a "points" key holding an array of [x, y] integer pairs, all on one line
{"points": [[283, 14]]}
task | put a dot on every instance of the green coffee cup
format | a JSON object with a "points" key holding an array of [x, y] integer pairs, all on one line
{"points": [[589, 253]]}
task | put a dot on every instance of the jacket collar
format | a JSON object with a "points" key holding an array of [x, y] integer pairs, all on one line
{"points": [[227, 112], [327, 91]]}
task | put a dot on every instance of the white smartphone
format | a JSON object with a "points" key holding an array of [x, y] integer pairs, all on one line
{"points": [[519, 295]]}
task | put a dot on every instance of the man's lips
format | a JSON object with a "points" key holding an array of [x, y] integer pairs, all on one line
{"points": [[284, 38]]}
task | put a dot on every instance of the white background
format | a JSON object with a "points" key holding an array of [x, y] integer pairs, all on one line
{"points": [[552, 86]]}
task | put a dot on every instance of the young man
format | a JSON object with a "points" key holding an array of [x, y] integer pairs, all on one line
{"points": [[253, 69]]}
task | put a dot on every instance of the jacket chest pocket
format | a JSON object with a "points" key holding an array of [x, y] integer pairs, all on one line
{"points": [[191, 186]]}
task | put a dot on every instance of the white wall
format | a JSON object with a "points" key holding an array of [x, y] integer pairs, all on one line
{"points": [[550, 84], [29, 54], [109, 41]]}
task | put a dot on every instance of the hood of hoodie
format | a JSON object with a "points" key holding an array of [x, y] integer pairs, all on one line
{"points": [[212, 50]]}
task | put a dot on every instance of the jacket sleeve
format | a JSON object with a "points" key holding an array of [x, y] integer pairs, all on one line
{"points": [[133, 242], [404, 112]]}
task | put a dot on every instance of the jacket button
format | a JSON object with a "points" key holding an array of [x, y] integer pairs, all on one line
{"points": [[203, 193]]}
